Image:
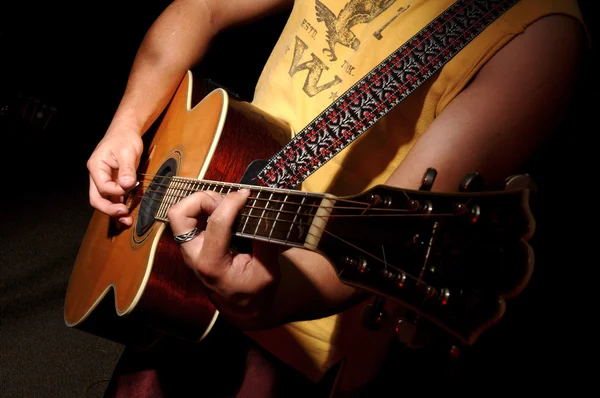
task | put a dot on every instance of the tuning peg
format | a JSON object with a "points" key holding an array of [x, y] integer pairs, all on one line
{"points": [[454, 353], [412, 333], [520, 181], [428, 179], [373, 315], [472, 182]]}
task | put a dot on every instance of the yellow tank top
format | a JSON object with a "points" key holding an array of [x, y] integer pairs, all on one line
{"points": [[325, 47]]}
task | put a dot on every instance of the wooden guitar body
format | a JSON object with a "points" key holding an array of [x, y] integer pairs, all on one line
{"points": [[131, 285]]}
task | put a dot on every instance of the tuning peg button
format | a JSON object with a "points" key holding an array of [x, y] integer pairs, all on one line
{"points": [[519, 182], [409, 333], [374, 315], [472, 182], [444, 296], [454, 353], [401, 279], [428, 179]]}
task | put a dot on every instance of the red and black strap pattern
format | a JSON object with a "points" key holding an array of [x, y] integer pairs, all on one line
{"points": [[379, 91]]}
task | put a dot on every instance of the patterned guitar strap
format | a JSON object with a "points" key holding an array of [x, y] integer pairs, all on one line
{"points": [[384, 87]]}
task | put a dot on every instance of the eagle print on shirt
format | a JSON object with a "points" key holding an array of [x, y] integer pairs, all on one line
{"points": [[339, 27], [338, 32]]}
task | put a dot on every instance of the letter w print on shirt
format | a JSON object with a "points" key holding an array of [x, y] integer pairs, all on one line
{"points": [[334, 30]]}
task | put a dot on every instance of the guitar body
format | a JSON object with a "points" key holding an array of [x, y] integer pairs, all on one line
{"points": [[131, 285], [452, 259]]}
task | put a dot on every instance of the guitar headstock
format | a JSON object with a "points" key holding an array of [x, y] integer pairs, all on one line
{"points": [[452, 258]]}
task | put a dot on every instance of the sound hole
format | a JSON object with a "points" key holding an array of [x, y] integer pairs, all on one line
{"points": [[154, 195]]}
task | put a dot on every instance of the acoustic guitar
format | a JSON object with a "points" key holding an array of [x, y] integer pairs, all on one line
{"points": [[451, 258]]}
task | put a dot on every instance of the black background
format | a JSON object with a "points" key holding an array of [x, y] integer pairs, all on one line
{"points": [[71, 60]]}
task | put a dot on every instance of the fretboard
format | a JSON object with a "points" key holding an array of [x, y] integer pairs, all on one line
{"points": [[289, 217]]}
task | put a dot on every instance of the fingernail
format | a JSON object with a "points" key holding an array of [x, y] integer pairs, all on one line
{"points": [[244, 190]]}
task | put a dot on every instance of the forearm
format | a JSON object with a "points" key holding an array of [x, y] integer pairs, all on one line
{"points": [[175, 42], [310, 289]]}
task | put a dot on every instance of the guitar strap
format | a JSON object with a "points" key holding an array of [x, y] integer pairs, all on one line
{"points": [[384, 87]]}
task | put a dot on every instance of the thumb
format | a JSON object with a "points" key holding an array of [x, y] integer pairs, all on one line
{"points": [[127, 161]]}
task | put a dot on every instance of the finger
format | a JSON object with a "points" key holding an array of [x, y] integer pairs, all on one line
{"points": [[183, 216], [219, 229], [106, 206], [101, 174]]}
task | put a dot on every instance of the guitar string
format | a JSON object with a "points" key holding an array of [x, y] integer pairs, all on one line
{"points": [[367, 206], [405, 275], [201, 185], [206, 184]]}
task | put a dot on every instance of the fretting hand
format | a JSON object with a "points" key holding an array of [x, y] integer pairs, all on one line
{"points": [[240, 285]]}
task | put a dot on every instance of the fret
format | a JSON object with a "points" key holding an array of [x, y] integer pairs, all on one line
{"points": [[261, 218], [171, 192], [293, 223], [197, 186], [289, 218], [283, 216], [161, 212], [164, 207], [175, 197], [183, 191], [283, 202], [190, 189], [244, 216], [264, 210], [272, 215], [248, 214], [256, 213]]}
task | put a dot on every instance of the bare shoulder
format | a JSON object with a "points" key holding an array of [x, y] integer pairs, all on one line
{"points": [[553, 44], [510, 107], [534, 72]]}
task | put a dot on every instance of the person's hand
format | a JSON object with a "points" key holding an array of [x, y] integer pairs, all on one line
{"points": [[112, 168], [240, 285]]}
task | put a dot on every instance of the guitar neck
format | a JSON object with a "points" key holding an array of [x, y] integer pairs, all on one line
{"points": [[287, 217]]}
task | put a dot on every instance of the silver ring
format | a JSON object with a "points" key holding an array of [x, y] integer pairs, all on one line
{"points": [[186, 237]]}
